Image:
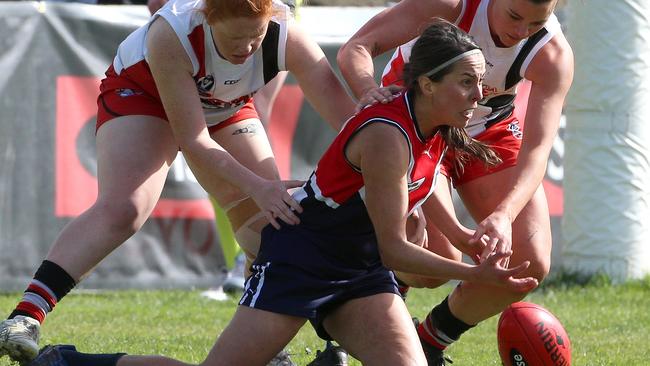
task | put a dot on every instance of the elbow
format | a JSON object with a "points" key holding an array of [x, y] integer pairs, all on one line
{"points": [[346, 53], [194, 152], [391, 260], [342, 56], [188, 147]]}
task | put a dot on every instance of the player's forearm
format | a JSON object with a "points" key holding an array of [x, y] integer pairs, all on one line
{"points": [[529, 173], [332, 101], [407, 257], [355, 63], [210, 163]]}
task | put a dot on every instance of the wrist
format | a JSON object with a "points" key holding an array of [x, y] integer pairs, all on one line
{"points": [[506, 212], [251, 184], [472, 273], [368, 85], [456, 233]]}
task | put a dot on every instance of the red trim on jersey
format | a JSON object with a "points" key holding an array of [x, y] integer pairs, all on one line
{"points": [[468, 16], [197, 40], [38, 290], [337, 180], [33, 310], [394, 75]]}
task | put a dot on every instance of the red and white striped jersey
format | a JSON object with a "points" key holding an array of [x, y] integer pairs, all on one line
{"points": [[504, 69], [334, 194], [222, 86]]}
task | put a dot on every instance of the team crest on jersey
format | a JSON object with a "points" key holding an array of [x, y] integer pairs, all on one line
{"points": [[515, 129], [412, 186], [204, 85]]}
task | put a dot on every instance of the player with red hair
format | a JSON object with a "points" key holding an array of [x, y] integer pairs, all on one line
{"points": [[183, 81]]}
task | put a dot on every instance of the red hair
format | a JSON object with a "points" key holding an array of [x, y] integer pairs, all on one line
{"points": [[216, 10]]}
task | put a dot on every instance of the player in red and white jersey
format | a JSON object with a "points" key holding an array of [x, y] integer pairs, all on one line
{"points": [[505, 66], [520, 39], [332, 267], [184, 80], [224, 84]]}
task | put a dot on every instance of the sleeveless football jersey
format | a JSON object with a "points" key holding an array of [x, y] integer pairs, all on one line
{"points": [[224, 88], [333, 197], [504, 69]]}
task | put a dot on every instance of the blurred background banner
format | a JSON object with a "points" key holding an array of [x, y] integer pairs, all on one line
{"points": [[52, 57]]}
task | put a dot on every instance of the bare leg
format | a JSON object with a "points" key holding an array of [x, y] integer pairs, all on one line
{"points": [[377, 330], [470, 303], [134, 154], [247, 142], [252, 338]]}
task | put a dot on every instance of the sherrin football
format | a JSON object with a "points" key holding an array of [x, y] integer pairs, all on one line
{"points": [[530, 335]]}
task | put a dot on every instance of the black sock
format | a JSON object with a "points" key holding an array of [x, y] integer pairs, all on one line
{"points": [[443, 320], [50, 279], [56, 278]]}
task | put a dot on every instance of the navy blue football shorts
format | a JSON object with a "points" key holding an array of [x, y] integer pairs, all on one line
{"points": [[308, 273]]}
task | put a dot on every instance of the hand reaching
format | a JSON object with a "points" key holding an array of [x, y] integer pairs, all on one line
{"points": [[498, 229], [491, 271], [273, 200], [470, 247], [378, 95]]}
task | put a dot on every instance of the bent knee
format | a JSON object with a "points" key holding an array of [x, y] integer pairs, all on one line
{"points": [[540, 264], [539, 268], [121, 215]]}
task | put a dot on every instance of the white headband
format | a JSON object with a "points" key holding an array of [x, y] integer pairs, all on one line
{"points": [[473, 51]]}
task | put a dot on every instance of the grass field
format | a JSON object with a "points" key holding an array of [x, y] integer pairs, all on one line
{"points": [[608, 324]]}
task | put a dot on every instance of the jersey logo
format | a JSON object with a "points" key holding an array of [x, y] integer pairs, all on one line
{"points": [[427, 152], [412, 186], [515, 129], [204, 85], [231, 82]]}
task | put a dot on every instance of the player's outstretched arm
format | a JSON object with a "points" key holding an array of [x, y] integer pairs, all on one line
{"points": [[390, 28]]}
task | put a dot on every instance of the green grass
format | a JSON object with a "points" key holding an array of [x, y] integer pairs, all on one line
{"points": [[607, 324]]}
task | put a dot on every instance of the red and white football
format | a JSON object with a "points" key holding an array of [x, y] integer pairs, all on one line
{"points": [[530, 335]]}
